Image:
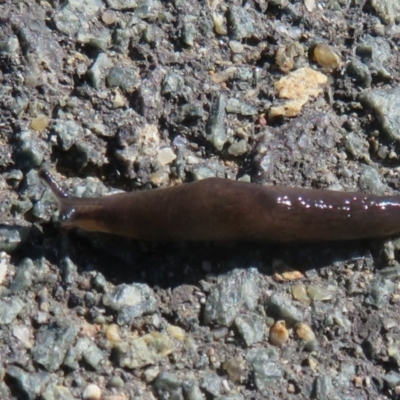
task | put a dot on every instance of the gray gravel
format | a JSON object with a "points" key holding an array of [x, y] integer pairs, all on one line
{"points": [[138, 94]]}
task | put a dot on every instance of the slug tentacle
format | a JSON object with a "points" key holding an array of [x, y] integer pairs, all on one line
{"points": [[71, 208], [57, 190]]}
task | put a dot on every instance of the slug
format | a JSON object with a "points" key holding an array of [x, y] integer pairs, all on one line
{"points": [[220, 209]]}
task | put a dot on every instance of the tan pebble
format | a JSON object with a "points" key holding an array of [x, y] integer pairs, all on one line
{"points": [[90, 330], [119, 100], [121, 396], [113, 333], [92, 392], [40, 123], [235, 368], [219, 24], [299, 292], [325, 57], [109, 17], [288, 276], [4, 263], [223, 76], [278, 334], [160, 178], [166, 156], [291, 388], [305, 332], [358, 381], [301, 84], [176, 332], [310, 5], [313, 364]]}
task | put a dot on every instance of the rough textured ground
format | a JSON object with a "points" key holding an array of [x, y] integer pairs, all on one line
{"points": [[132, 95]]}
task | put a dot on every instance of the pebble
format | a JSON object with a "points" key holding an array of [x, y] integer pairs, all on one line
{"points": [[278, 334], [236, 289], [92, 392], [130, 301], [40, 123], [166, 156], [326, 58], [251, 327], [298, 87], [265, 366], [305, 332], [109, 17], [385, 104], [4, 265]]}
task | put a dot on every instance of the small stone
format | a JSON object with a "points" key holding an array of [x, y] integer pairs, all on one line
{"points": [[68, 133], [305, 332], [146, 350], [392, 379], [219, 24], [236, 149], [60, 335], [236, 289], [278, 334], [126, 78], [240, 23], [12, 237], [236, 369], [298, 87], [40, 123], [109, 17], [251, 327], [224, 75], [317, 293], [167, 382], [215, 129], [24, 276], [176, 332], [211, 383], [24, 334], [385, 103], [131, 301], [236, 46], [326, 58], [165, 156], [4, 264], [119, 100], [238, 107], [113, 333], [31, 384], [122, 4], [98, 70], [54, 391], [151, 373], [322, 387], [288, 276], [92, 392], [116, 382], [310, 5], [280, 308], [265, 366], [9, 309], [99, 282], [30, 151]]}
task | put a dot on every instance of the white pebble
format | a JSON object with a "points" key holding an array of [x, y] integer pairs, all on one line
{"points": [[92, 392]]}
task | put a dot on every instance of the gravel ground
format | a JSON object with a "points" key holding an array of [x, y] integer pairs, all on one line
{"points": [[135, 94]]}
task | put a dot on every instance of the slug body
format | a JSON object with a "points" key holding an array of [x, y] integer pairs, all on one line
{"points": [[220, 209]]}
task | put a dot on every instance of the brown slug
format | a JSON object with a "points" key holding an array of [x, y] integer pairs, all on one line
{"points": [[221, 209]]}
